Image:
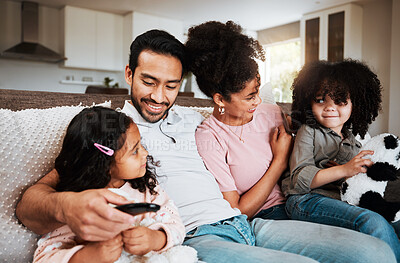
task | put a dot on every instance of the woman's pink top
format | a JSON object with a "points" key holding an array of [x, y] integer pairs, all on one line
{"points": [[238, 165]]}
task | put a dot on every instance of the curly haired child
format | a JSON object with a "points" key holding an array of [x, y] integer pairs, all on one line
{"points": [[102, 149], [333, 102]]}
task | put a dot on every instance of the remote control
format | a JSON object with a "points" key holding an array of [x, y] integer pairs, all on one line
{"points": [[138, 208]]}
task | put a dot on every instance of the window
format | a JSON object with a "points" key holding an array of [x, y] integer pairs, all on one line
{"points": [[281, 67]]}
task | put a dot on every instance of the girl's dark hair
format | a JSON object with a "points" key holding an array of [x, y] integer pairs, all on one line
{"points": [[222, 58], [82, 166], [340, 81]]}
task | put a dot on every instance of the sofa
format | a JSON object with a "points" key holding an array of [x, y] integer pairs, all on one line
{"points": [[32, 126]]}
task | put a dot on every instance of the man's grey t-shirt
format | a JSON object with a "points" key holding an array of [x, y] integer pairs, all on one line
{"points": [[182, 173]]}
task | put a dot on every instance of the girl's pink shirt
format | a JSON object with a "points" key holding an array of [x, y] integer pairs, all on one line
{"points": [[60, 245], [237, 166]]}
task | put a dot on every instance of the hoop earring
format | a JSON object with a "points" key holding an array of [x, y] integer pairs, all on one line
{"points": [[221, 110]]}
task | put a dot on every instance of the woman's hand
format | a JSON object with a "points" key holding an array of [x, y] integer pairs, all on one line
{"points": [[141, 240], [251, 201], [100, 252], [281, 145]]}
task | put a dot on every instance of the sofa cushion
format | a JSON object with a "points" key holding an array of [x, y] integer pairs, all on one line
{"points": [[30, 140], [205, 111]]}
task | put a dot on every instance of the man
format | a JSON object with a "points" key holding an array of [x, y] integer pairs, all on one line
{"points": [[218, 232]]}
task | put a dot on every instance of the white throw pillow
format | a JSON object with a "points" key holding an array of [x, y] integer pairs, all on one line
{"points": [[30, 140], [266, 94]]}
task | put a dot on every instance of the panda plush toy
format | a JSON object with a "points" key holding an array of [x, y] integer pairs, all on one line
{"points": [[367, 190]]}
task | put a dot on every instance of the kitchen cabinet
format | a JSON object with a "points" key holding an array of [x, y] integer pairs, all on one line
{"points": [[92, 39], [332, 34]]}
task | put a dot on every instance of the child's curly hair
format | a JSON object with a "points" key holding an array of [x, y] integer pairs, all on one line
{"points": [[81, 166], [340, 81], [222, 58]]}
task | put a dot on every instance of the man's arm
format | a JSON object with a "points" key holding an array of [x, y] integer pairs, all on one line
{"points": [[37, 201], [87, 213]]}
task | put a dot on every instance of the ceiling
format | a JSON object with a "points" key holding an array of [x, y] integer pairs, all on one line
{"points": [[250, 14]]}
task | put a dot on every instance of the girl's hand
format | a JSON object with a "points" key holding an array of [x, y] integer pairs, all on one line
{"points": [[358, 164], [100, 252], [141, 240], [281, 144]]}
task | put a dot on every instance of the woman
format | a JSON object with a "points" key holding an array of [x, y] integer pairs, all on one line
{"points": [[243, 143]]}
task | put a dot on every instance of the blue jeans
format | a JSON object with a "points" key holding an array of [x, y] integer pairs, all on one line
{"points": [[236, 240], [324, 210], [277, 212]]}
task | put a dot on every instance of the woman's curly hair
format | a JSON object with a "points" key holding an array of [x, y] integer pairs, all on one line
{"points": [[81, 166], [222, 58], [340, 81]]}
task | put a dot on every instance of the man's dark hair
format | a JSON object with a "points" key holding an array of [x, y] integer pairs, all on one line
{"points": [[160, 42]]}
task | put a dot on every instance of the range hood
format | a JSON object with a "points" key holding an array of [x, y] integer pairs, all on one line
{"points": [[29, 48]]}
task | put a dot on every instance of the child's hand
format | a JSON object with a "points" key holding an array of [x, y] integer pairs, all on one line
{"points": [[141, 240], [358, 164], [100, 252], [337, 172]]}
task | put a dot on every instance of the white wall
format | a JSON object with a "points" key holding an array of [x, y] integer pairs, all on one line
{"points": [[136, 23], [27, 75], [376, 52], [394, 100]]}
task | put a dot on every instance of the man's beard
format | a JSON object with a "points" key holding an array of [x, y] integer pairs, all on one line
{"points": [[140, 110]]}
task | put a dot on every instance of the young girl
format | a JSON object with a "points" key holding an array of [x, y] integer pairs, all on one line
{"points": [[333, 102], [102, 149]]}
